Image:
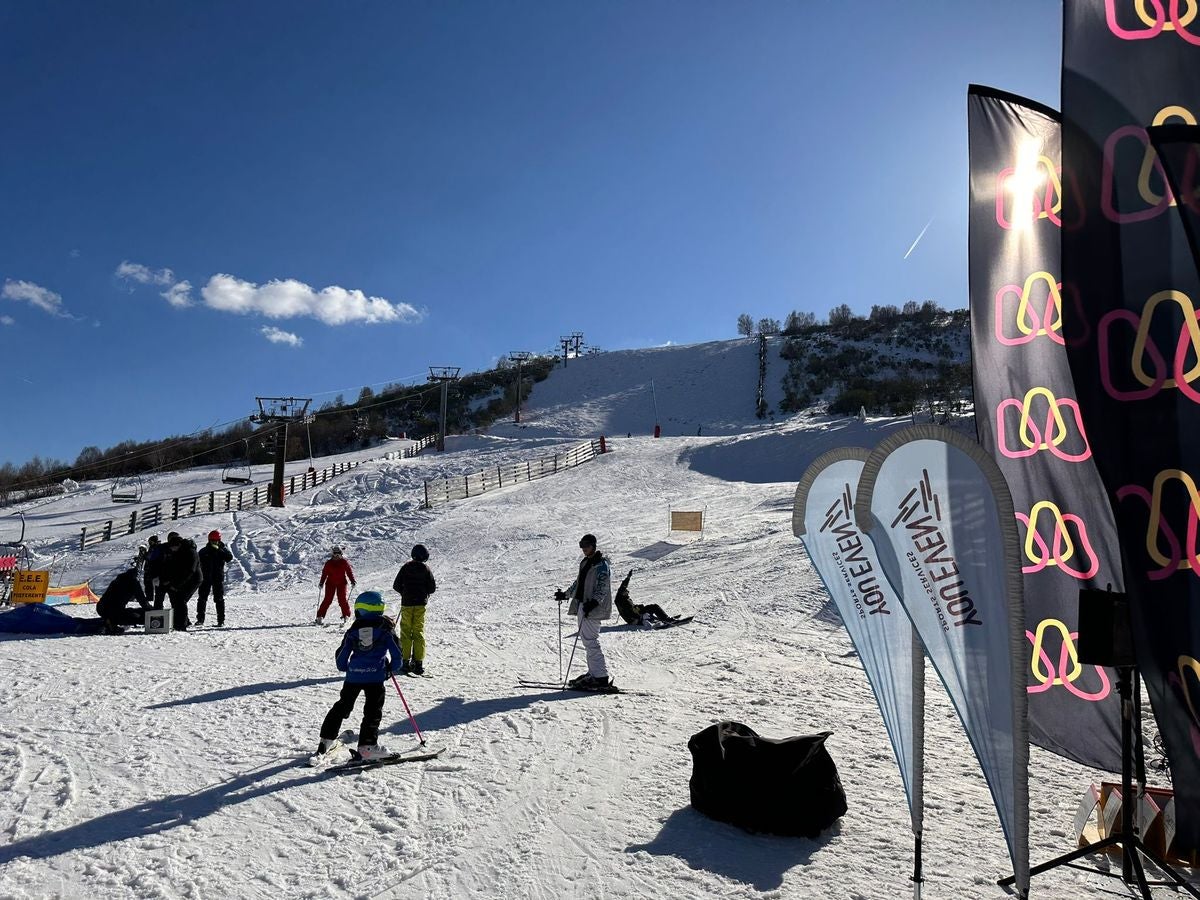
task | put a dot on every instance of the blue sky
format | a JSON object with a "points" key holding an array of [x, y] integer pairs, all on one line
{"points": [[205, 202]]}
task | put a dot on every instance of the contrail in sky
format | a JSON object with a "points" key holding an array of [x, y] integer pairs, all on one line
{"points": [[919, 236]]}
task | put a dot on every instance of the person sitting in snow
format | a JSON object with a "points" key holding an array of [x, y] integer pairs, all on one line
{"points": [[591, 601], [367, 655], [644, 614], [112, 603], [414, 583], [334, 575]]}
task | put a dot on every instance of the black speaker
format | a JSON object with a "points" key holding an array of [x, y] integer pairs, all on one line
{"points": [[1105, 637]]}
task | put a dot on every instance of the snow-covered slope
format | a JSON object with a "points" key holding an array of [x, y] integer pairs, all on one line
{"points": [[695, 386], [168, 766]]}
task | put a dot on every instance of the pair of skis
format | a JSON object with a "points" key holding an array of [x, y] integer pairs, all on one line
{"points": [[531, 684], [334, 762]]}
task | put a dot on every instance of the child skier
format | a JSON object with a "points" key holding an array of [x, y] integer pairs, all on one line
{"points": [[414, 583], [334, 575], [367, 654]]}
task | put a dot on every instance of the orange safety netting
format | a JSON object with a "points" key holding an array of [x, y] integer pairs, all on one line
{"points": [[74, 593]]}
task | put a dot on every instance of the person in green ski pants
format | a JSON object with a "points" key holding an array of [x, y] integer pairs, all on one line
{"points": [[414, 583]]}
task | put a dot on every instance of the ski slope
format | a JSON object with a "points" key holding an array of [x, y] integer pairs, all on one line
{"points": [[169, 766]]}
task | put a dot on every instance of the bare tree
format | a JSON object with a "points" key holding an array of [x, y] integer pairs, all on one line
{"points": [[841, 315]]}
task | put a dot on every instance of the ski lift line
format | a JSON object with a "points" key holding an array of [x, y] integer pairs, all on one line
{"points": [[187, 438], [372, 384], [191, 436], [84, 469]]}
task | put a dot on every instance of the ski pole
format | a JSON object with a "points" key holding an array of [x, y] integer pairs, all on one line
{"points": [[571, 659], [560, 668], [420, 736]]}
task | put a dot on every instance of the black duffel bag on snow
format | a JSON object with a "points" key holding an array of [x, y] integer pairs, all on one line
{"points": [[787, 786]]}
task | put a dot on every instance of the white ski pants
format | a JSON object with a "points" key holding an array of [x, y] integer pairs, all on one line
{"points": [[589, 636]]}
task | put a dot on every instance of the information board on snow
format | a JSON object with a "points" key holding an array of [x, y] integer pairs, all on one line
{"points": [[30, 586]]}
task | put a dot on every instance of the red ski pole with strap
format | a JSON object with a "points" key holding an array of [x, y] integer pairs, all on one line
{"points": [[420, 736]]}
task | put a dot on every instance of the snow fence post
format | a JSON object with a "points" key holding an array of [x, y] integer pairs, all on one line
{"points": [[603, 448]]}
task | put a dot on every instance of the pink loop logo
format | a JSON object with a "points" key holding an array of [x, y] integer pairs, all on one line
{"points": [[1029, 322], [1152, 188], [1061, 548], [1069, 667], [1180, 681], [1178, 556], [1144, 347], [1051, 437], [1036, 192], [1155, 17]]}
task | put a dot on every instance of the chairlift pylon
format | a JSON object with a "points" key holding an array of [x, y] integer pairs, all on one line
{"points": [[127, 489]]}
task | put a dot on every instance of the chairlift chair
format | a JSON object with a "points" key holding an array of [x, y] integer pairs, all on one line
{"points": [[14, 557], [237, 474], [127, 489]]}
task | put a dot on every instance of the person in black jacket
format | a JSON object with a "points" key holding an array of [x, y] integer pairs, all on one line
{"points": [[112, 603], [414, 583], [213, 557], [179, 571], [154, 588]]}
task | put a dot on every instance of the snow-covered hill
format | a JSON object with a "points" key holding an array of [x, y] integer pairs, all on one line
{"points": [[168, 766]]}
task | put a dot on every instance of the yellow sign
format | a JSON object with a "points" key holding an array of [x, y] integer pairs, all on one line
{"points": [[30, 586], [687, 521]]}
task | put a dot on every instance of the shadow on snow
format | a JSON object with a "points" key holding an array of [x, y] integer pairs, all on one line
{"points": [[759, 860]]}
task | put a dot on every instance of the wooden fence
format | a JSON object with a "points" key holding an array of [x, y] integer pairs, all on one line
{"points": [[153, 516], [444, 490]]}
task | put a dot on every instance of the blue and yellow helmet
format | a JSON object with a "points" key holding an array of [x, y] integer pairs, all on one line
{"points": [[369, 603]]}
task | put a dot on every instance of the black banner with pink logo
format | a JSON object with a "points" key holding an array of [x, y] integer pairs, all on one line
{"points": [[1129, 65], [1028, 420]]}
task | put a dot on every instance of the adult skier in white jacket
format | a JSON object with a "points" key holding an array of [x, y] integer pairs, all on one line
{"points": [[591, 602]]}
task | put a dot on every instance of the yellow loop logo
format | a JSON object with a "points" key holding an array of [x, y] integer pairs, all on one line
{"points": [[1029, 321], [1069, 667], [1152, 184], [1182, 684], [1060, 549], [1177, 556], [1051, 436], [1036, 193], [1187, 346], [1157, 16]]}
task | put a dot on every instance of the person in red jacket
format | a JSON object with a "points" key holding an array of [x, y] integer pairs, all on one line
{"points": [[334, 576]]}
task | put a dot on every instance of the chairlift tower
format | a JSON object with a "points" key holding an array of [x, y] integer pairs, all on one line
{"points": [[280, 410], [519, 357], [443, 375]]}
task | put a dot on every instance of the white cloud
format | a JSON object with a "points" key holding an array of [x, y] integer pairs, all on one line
{"points": [[279, 336], [290, 298], [34, 294], [145, 275], [178, 295], [7, 320]]}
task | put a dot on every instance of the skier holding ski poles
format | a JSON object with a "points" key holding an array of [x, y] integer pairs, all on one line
{"points": [[367, 655], [591, 601], [414, 583], [334, 575]]}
